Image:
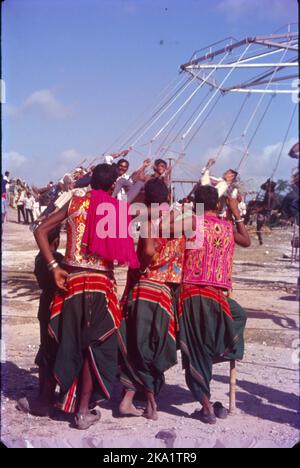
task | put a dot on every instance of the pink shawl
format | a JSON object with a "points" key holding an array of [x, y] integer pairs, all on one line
{"points": [[107, 231]]}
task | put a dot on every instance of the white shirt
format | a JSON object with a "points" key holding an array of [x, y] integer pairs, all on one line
{"points": [[7, 182], [122, 194], [28, 203], [20, 201], [218, 182], [242, 208], [108, 159]]}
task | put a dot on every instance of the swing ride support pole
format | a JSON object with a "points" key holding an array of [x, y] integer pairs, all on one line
{"points": [[170, 178]]}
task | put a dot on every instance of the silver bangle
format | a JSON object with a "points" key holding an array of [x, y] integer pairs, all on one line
{"points": [[144, 271], [52, 265], [239, 220]]}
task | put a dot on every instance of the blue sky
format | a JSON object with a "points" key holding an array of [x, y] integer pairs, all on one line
{"points": [[79, 72]]}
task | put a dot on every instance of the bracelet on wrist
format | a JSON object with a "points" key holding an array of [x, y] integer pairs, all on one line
{"points": [[143, 272], [52, 265], [241, 220]]}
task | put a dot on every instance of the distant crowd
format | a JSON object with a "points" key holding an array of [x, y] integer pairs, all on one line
{"points": [[31, 202], [34, 204]]}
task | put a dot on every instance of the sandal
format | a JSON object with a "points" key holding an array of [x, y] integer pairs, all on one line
{"points": [[203, 417], [33, 407], [220, 411], [84, 421]]}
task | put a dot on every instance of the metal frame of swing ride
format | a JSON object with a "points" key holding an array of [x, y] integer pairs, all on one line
{"points": [[160, 128], [267, 46], [276, 78]]}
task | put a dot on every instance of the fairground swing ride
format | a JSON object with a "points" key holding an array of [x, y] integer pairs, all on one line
{"points": [[247, 77]]}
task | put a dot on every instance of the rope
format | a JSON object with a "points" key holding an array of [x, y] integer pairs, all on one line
{"points": [[284, 141], [200, 126], [232, 127], [215, 93], [165, 107], [255, 132], [256, 110], [157, 111], [203, 122], [263, 95], [161, 93], [189, 98], [183, 126]]}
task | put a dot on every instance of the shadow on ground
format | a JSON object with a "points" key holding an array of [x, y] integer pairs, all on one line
{"points": [[250, 401], [19, 285], [280, 320], [18, 382], [289, 298]]}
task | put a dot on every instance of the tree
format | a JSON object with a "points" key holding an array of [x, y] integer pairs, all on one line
{"points": [[282, 186]]}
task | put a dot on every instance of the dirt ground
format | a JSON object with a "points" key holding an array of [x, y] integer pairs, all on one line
{"points": [[267, 412]]}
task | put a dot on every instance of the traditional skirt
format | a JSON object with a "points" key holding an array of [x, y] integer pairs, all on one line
{"points": [[211, 328], [46, 355], [84, 321], [147, 337]]}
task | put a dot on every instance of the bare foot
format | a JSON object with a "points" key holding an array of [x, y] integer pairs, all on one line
{"points": [[151, 412], [84, 420], [128, 409]]}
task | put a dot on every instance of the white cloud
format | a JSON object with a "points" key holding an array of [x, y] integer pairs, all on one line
{"points": [[42, 100], [283, 10], [45, 100], [68, 160], [71, 156], [266, 160], [257, 166], [13, 160]]}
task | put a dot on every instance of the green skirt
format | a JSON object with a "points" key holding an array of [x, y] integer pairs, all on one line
{"points": [[46, 355], [84, 322], [147, 338], [211, 328]]}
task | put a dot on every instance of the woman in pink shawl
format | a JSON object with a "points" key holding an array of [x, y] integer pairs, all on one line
{"points": [[85, 314]]}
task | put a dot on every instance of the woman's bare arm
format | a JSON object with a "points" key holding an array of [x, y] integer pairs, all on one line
{"points": [[41, 237], [241, 235], [148, 250]]}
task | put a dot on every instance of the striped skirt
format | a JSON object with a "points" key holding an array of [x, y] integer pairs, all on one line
{"points": [[211, 328], [84, 321], [147, 338]]}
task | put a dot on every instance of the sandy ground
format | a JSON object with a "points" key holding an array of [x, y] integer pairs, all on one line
{"points": [[267, 412]]}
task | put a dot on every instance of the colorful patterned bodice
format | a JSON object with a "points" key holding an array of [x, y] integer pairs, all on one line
{"points": [[167, 263], [75, 225], [212, 263]]}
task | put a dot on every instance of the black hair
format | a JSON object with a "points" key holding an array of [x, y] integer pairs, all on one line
{"points": [[104, 176], [156, 191], [269, 185], [54, 234], [160, 161], [233, 171], [123, 161], [6, 173], [207, 195]]}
